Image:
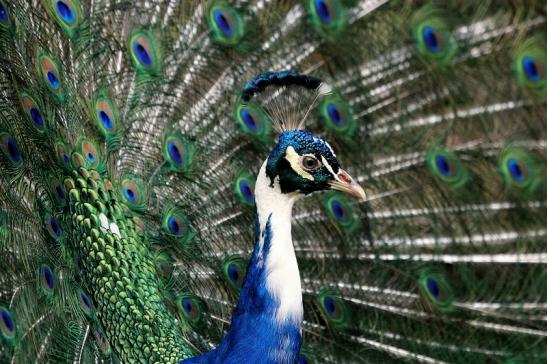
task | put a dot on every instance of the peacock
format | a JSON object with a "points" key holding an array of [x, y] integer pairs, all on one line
{"points": [[172, 186]]}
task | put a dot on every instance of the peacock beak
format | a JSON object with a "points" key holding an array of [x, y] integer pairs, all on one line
{"points": [[345, 183]]}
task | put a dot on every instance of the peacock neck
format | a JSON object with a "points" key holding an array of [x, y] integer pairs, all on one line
{"points": [[268, 316], [274, 214]]}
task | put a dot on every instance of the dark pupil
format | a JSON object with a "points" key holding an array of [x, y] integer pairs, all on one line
{"points": [[323, 10], [175, 153], [174, 226], [442, 165], [430, 39], [53, 80], [531, 69], [515, 170], [309, 162], [248, 120], [246, 190], [338, 211]]}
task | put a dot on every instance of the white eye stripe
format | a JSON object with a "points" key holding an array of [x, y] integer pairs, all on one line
{"points": [[329, 168]]}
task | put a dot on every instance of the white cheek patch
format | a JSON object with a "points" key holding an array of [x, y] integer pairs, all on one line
{"points": [[294, 161]]}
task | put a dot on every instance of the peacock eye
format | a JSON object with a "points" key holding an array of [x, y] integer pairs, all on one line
{"points": [[310, 163]]}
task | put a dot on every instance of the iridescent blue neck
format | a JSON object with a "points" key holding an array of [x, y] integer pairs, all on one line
{"points": [[266, 324]]}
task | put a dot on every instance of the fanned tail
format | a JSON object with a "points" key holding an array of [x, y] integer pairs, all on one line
{"points": [[125, 133]]}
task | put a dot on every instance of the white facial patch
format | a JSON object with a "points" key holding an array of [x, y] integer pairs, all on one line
{"points": [[294, 160]]}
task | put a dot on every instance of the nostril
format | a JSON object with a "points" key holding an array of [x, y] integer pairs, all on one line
{"points": [[344, 177]]}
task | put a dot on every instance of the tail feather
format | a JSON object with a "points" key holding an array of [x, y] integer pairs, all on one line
{"points": [[438, 109]]}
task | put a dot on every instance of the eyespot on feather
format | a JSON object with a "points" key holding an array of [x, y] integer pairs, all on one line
{"points": [[145, 52], [432, 31], [7, 325], [226, 23], [47, 279], [447, 167], [328, 17], [33, 112], [10, 149], [244, 189], [178, 151], [435, 289], [234, 270], [67, 14], [50, 73], [190, 308], [253, 121]]}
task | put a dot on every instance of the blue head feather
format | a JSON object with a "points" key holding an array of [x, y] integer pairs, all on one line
{"points": [[303, 143]]}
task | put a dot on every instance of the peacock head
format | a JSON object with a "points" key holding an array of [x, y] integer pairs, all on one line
{"points": [[304, 163]]}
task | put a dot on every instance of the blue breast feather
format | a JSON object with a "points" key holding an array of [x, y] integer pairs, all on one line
{"points": [[255, 336]]}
